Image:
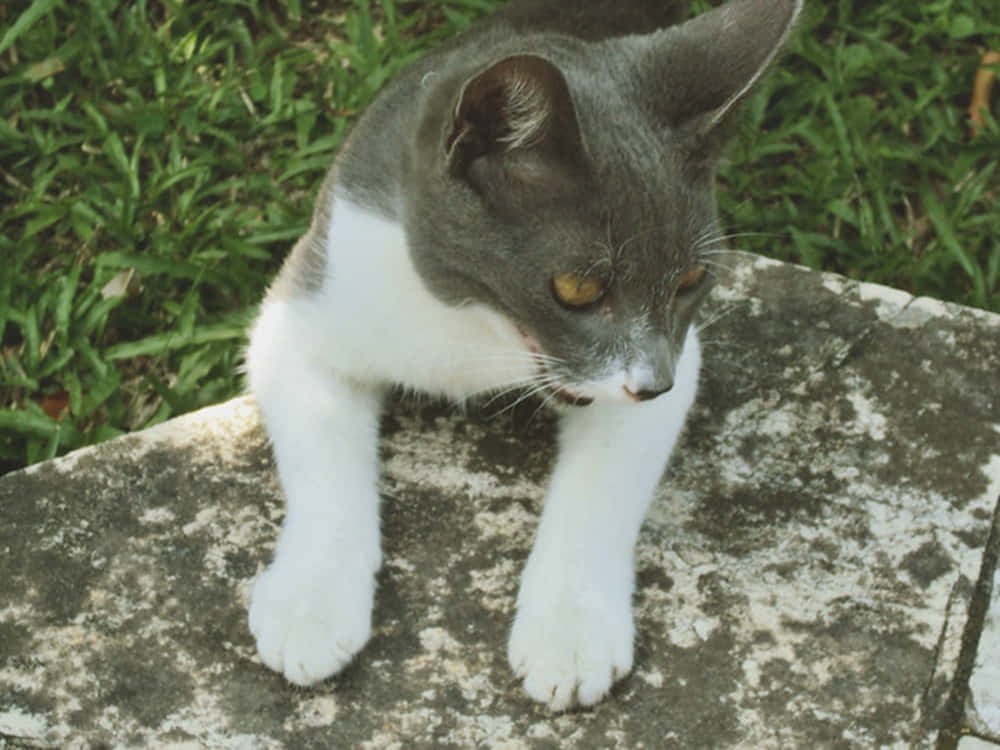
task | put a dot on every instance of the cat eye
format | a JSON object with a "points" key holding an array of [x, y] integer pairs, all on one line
{"points": [[690, 279], [573, 290]]}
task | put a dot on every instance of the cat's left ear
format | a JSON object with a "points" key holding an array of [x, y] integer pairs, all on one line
{"points": [[519, 106]]}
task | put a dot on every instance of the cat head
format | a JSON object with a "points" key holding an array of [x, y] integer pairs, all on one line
{"points": [[569, 186]]}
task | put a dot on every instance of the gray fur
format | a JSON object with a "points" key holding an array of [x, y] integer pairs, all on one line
{"points": [[617, 180]]}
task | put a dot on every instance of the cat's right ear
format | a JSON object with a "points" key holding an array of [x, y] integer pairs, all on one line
{"points": [[517, 112], [696, 75]]}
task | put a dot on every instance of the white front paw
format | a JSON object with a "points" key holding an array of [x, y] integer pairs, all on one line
{"points": [[309, 622], [571, 648]]}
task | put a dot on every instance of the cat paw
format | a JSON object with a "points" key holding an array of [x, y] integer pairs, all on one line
{"points": [[571, 652], [309, 623]]}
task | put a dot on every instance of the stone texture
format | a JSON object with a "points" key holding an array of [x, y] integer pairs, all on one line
{"points": [[805, 572]]}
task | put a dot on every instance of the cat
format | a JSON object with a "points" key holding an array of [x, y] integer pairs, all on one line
{"points": [[531, 206]]}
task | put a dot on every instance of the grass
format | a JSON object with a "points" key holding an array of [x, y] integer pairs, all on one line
{"points": [[159, 157], [858, 157]]}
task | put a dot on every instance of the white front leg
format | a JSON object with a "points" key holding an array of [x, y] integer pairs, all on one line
{"points": [[572, 636], [311, 609]]}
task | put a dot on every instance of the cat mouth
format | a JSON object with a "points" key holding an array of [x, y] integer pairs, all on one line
{"points": [[555, 390], [567, 396]]}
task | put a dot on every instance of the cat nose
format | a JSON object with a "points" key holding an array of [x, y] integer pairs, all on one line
{"points": [[646, 394], [644, 381]]}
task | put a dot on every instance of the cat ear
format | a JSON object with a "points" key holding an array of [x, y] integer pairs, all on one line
{"points": [[521, 105], [697, 74]]}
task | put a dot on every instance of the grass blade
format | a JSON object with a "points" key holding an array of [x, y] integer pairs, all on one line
{"points": [[25, 21]]}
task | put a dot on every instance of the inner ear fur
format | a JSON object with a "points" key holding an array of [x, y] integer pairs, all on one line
{"points": [[520, 103]]}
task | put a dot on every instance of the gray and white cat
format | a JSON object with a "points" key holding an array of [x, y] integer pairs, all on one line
{"points": [[529, 207]]}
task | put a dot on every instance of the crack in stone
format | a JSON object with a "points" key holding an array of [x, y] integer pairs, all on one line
{"points": [[836, 360], [959, 700], [925, 699]]}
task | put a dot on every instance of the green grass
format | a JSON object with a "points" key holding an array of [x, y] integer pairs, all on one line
{"points": [[857, 156], [157, 159]]}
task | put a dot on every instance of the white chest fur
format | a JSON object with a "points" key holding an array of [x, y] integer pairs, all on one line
{"points": [[374, 319]]}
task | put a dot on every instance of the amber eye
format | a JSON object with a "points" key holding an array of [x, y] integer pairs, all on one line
{"points": [[691, 279], [574, 290]]}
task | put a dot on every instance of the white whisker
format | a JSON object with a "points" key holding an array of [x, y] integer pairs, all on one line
{"points": [[513, 356], [718, 239], [716, 317], [539, 388], [545, 402], [534, 382]]}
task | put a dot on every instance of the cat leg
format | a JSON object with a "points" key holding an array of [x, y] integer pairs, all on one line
{"points": [[311, 609], [573, 632]]}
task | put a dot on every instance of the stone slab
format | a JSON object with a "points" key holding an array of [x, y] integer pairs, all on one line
{"points": [[805, 572], [983, 702], [975, 743]]}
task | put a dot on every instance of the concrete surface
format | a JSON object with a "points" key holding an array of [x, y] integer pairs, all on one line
{"points": [[816, 571]]}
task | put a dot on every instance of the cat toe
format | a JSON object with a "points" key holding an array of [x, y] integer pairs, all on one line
{"points": [[571, 655], [312, 657], [309, 626]]}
